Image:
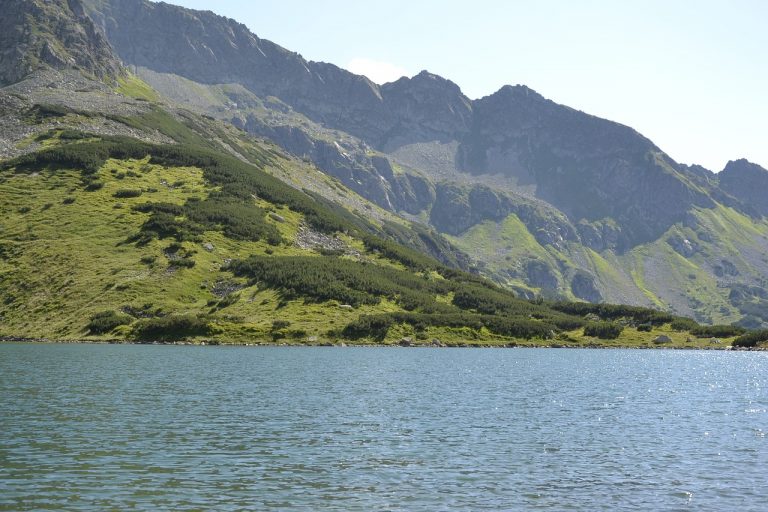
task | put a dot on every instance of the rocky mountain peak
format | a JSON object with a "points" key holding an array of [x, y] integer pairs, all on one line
{"points": [[56, 34], [744, 168], [426, 107], [517, 91], [747, 182], [427, 78]]}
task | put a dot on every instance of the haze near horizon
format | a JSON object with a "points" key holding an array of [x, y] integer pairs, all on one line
{"points": [[687, 77]]}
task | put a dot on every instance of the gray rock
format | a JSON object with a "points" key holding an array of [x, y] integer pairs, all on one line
{"points": [[659, 340], [583, 286], [405, 342], [308, 238], [277, 217], [683, 246], [747, 182], [540, 275]]}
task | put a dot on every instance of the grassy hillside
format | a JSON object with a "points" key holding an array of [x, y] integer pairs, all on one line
{"points": [[112, 238], [710, 267]]}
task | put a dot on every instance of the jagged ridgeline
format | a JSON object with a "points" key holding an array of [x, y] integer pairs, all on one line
{"points": [[119, 238]]}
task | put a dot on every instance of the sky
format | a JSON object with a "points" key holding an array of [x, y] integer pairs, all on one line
{"points": [[691, 75]]}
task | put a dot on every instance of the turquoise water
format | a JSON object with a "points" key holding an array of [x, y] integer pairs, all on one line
{"points": [[86, 427]]}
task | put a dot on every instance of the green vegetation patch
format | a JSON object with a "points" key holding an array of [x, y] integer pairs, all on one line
{"points": [[604, 330], [377, 326], [107, 321], [717, 331], [173, 327], [637, 315], [44, 111], [158, 119], [476, 304], [238, 181], [133, 86], [349, 282], [752, 339]]}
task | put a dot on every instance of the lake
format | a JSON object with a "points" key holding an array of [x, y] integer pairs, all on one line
{"points": [[97, 427]]}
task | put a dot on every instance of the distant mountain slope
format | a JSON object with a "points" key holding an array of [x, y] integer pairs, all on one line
{"points": [[546, 199], [182, 231], [588, 167], [210, 49]]}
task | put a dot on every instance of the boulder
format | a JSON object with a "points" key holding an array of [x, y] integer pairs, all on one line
{"points": [[659, 340]]}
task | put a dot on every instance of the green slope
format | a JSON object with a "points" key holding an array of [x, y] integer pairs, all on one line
{"points": [[112, 238]]}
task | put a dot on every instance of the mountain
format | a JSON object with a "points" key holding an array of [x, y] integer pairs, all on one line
{"points": [[546, 200], [125, 218], [516, 132]]}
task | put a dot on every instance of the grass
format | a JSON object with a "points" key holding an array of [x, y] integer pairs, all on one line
{"points": [[504, 245], [72, 259], [638, 276], [65, 258], [67, 252], [134, 87], [64, 263], [160, 120]]}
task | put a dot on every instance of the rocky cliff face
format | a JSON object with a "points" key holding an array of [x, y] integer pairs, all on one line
{"points": [[37, 34], [370, 175], [747, 182], [457, 208], [425, 108]]}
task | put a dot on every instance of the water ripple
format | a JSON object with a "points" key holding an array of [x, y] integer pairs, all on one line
{"points": [[189, 428]]}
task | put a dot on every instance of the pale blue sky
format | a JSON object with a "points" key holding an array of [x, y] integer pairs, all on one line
{"points": [[690, 75]]}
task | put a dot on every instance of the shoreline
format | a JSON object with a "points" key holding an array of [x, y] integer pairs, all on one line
{"points": [[215, 343]]}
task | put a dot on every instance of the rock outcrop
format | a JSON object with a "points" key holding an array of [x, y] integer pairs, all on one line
{"points": [[56, 34]]}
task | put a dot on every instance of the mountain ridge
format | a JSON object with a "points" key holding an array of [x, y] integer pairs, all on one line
{"points": [[549, 200], [619, 192]]}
